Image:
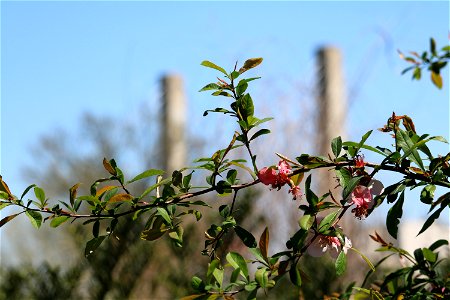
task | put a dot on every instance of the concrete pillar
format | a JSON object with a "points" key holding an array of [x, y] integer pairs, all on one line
{"points": [[331, 108], [173, 123]]}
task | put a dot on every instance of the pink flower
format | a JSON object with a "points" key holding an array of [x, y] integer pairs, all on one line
{"points": [[284, 170], [362, 197], [268, 176], [324, 243], [296, 192]]}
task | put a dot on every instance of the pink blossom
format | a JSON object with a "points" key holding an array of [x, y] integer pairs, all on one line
{"points": [[362, 197], [296, 192], [268, 176], [324, 243]]}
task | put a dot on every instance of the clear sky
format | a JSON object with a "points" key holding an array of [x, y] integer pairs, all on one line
{"points": [[59, 59]]}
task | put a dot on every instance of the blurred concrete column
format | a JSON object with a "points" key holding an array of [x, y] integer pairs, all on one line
{"points": [[331, 108], [173, 123]]}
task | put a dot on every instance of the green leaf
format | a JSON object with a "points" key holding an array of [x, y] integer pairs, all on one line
{"points": [[4, 204], [341, 263], [211, 86], [35, 218], [218, 275], [40, 194], [433, 47], [56, 221], [177, 236], [246, 237], [327, 221], [93, 244], [363, 140], [246, 104], [262, 277], [336, 146], [367, 147], [211, 267], [7, 219], [213, 66], [257, 254], [394, 215], [349, 187], [145, 174], [427, 194], [369, 263], [197, 284], [407, 145], [429, 255], [294, 275], [259, 133], [27, 190], [237, 261], [151, 188], [306, 222], [163, 213], [438, 244]]}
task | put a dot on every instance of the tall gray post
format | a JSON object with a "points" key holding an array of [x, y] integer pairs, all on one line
{"points": [[173, 123], [331, 108]]}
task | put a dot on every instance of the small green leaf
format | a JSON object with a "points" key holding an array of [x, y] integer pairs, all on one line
{"points": [[336, 146], [394, 215], [145, 174], [262, 277], [197, 284], [429, 255], [306, 222], [218, 275], [163, 213], [341, 263], [259, 133], [40, 194], [211, 86], [237, 261], [35, 218], [294, 275], [56, 221], [350, 186], [93, 244], [209, 64], [327, 221], [427, 194], [26, 191]]}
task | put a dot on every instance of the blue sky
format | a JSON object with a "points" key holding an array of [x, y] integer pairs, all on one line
{"points": [[59, 59]]}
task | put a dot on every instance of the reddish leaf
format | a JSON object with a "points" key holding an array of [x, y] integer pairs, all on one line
{"points": [[264, 243]]}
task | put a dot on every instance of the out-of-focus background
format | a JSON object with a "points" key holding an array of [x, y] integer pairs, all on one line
{"points": [[85, 80]]}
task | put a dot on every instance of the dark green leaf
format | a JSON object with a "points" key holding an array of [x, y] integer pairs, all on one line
{"points": [[349, 187], [306, 222], [26, 191], [197, 284], [93, 244], [367, 147], [35, 218], [407, 145], [294, 275], [259, 133], [427, 194], [394, 215], [438, 244], [336, 146]]}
